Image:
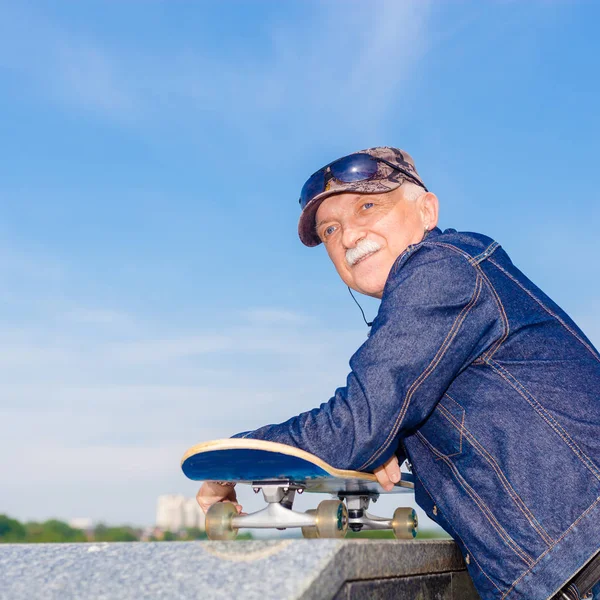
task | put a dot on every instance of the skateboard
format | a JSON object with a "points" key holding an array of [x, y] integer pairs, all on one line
{"points": [[280, 472]]}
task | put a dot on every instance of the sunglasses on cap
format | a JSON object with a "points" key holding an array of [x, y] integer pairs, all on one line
{"points": [[349, 169]]}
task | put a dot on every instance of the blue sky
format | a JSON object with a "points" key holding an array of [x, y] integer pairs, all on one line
{"points": [[154, 292]]}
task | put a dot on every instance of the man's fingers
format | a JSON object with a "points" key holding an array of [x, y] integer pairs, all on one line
{"points": [[392, 468], [383, 479], [212, 492], [388, 473], [201, 500]]}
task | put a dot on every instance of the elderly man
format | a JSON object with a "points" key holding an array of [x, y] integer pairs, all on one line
{"points": [[471, 373]]}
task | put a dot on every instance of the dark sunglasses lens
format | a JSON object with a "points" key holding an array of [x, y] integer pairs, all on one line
{"points": [[356, 167], [315, 185]]}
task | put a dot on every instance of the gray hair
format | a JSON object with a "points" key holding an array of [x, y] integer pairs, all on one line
{"points": [[411, 191]]}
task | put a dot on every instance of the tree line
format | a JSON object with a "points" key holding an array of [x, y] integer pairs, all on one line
{"points": [[53, 530], [12, 531]]}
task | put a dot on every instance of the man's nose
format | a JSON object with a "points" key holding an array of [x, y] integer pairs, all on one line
{"points": [[352, 234]]}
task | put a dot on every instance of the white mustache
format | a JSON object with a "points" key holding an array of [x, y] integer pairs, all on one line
{"points": [[364, 247]]}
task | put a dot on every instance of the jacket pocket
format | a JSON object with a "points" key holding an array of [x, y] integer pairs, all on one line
{"points": [[444, 428]]}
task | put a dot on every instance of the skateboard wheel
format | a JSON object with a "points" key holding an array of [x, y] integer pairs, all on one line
{"points": [[218, 521], [332, 519], [405, 524], [310, 532]]}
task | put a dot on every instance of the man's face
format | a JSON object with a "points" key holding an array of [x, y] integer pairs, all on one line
{"points": [[365, 233]]}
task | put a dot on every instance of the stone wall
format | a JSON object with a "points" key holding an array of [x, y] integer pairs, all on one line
{"points": [[265, 570]]}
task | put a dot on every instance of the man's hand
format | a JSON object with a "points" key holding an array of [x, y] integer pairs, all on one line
{"points": [[212, 492], [388, 473]]}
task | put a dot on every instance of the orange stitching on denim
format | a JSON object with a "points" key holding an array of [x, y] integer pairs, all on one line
{"points": [[406, 254], [503, 480], [420, 245], [453, 248], [501, 340], [442, 350], [475, 260], [528, 560], [555, 425], [403, 257], [535, 404], [430, 368], [498, 343], [512, 492], [459, 438], [455, 402], [404, 407], [399, 260], [460, 429], [481, 505], [559, 319], [463, 542], [477, 266], [516, 581]]}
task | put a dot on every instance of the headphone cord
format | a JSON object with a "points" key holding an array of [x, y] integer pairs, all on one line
{"points": [[361, 310]]}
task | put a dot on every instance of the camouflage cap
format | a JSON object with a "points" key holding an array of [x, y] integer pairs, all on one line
{"points": [[386, 180]]}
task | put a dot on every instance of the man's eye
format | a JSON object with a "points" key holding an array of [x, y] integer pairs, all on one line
{"points": [[367, 205], [328, 230]]}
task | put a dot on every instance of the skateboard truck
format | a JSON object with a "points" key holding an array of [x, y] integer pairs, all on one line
{"points": [[404, 523], [330, 519]]}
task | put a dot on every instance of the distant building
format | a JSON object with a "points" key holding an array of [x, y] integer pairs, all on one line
{"points": [[83, 523], [174, 513]]}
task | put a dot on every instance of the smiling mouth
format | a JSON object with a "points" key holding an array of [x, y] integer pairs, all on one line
{"points": [[362, 258]]}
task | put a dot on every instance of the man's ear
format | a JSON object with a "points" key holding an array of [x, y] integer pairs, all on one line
{"points": [[429, 207]]}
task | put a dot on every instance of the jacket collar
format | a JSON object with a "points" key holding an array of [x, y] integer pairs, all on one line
{"points": [[432, 233]]}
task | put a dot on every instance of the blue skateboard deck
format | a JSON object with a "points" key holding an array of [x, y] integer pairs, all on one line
{"points": [[245, 460]]}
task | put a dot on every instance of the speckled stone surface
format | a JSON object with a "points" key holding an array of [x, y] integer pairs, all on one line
{"points": [[442, 586], [277, 569]]}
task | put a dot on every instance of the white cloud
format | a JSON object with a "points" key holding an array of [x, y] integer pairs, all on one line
{"points": [[89, 76], [274, 316], [99, 316], [362, 59], [99, 405], [32, 265], [89, 414], [161, 350], [69, 68]]}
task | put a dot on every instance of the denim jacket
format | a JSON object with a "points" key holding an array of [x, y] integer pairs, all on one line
{"points": [[493, 394]]}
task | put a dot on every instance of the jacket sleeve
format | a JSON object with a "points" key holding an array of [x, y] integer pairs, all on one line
{"points": [[436, 316]]}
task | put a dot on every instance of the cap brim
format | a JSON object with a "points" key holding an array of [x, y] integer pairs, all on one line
{"points": [[306, 224]]}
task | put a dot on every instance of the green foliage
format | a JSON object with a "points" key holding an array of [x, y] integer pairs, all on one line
{"points": [[102, 533], [387, 534], [52, 531], [11, 530], [373, 535], [432, 534], [193, 533]]}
